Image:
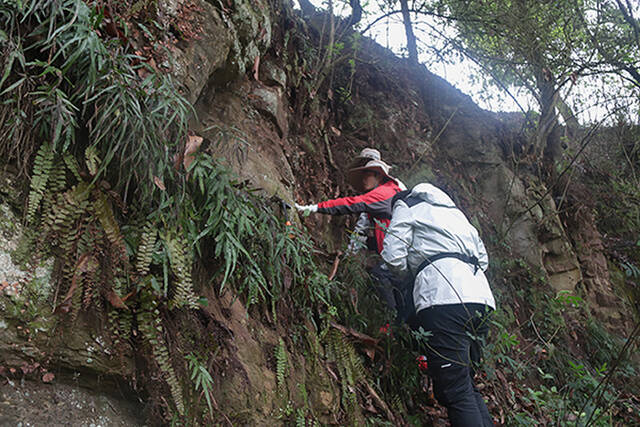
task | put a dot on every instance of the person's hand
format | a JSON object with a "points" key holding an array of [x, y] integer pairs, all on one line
{"points": [[307, 208]]}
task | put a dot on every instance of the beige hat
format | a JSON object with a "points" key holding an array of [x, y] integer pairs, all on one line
{"points": [[365, 156], [354, 176]]}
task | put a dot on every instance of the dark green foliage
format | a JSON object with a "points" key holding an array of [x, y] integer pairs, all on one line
{"points": [[350, 368], [85, 105], [263, 256], [76, 89], [109, 126]]}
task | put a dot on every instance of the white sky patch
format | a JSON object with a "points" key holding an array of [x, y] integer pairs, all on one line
{"points": [[389, 32]]}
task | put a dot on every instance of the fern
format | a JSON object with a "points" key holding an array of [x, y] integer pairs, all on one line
{"points": [[397, 404], [120, 324], [180, 258], [92, 160], [39, 177], [303, 393], [146, 249], [301, 419], [72, 165], [57, 181], [150, 325], [90, 284], [355, 362], [282, 366], [102, 210], [62, 224], [349, 366]]}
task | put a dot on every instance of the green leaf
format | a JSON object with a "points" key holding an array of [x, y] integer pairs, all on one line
{"points": [[13, 86]]}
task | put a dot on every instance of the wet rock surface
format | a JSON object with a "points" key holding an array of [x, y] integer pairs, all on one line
{"points": [[30, 403]]}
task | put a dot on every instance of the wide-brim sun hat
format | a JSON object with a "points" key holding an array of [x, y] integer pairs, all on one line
{"points": [[354, 176], [366, 155]]}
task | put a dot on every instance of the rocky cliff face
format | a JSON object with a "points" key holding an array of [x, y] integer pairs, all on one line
{"points": [[426, 128], [287, 119]]}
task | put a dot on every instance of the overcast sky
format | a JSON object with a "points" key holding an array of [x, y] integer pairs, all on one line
{"points": [[390, 33]]}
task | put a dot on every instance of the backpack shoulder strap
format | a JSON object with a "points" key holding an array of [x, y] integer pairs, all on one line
{"points": [[400, 195], [406, 197]]}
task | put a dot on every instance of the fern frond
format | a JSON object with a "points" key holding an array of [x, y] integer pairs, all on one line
{"points": [[342, 351], [57, 178], [120, 323], [90, 283], [180, 259], [303, 393], [72, 165], [92, 160], [146, 248], [68, 208], [355, 362], [396, 404], [301, 419], [39, 177], [282, 366], [150, 325], [102, 209]]}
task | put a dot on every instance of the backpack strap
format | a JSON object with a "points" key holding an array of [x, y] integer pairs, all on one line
{"points": [[473, 260], [400, 195]]}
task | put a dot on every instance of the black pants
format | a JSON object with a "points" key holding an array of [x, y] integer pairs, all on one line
{"points": [[455, 346]]}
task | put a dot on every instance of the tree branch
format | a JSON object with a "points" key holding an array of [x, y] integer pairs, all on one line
{"points": [[628, 16], [417, 12]]}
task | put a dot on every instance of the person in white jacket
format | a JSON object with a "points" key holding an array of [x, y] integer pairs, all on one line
{"points": [[430, 239]]}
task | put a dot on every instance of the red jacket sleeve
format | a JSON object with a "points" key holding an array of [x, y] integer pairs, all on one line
{"points": [[376, 202]]}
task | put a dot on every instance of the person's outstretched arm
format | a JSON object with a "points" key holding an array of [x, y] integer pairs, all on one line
{"points": [[376, 202]]}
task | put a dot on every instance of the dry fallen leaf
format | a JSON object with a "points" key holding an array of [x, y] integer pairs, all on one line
{"points": [[158, 182], [115, 300], [370, 352], [193, 143]]}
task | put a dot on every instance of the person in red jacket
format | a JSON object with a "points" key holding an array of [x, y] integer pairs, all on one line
{"points": [[370, 176], [378, 188]]}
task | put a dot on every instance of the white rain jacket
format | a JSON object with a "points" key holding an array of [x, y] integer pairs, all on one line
{"points": [[427, 223]]}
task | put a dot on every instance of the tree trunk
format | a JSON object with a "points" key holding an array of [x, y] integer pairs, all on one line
{"points": [[408, 28], [356, 12], [548, 143]]}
